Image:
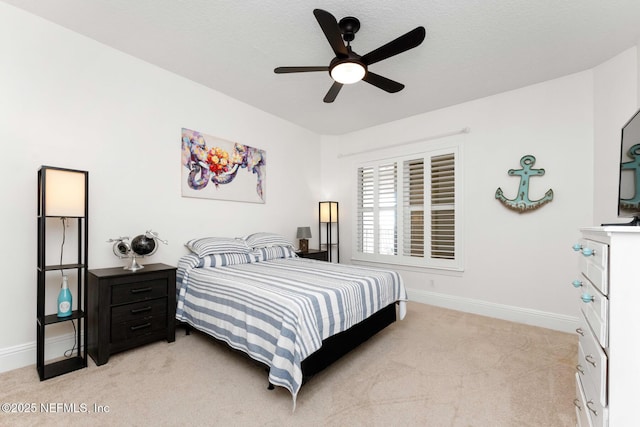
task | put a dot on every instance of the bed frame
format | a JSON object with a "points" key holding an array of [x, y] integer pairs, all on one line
{"points": [[336, 346]]}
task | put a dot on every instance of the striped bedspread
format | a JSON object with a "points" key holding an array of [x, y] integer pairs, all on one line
{"points": [[279, 311]]}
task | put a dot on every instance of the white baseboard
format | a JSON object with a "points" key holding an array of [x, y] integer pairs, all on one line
{"points": [[25, 354], [527, 316]]}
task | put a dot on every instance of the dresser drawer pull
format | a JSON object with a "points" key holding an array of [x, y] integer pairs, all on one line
{"points": [[589, 358], [586, 298], [144, 325], [140, 290], [588, 251], [580, 331], [577, 247], [576, 403], [589, 403], [576, 283], [140, 310], [579, 369]]}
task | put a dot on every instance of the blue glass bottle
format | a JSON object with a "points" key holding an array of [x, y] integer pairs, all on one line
{"points": [[64, 299]]}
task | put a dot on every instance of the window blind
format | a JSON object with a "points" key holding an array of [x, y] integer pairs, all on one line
{"points": [[406, 210]]}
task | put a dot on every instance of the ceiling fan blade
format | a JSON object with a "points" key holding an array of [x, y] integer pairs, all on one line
{"points": [[403, 43], [331, 30], [283, 70], [333, 92], [383, 82]]}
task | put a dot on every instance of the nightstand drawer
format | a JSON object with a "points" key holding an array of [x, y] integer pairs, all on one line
{"points": [[123, 313], [135, 328], [139, 290], [315, 254]]}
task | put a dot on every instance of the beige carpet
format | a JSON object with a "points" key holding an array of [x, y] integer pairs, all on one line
{"points": [[435, 368]]}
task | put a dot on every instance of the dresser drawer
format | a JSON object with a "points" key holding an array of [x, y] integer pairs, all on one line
{"points": [[580, 402], [589, 405], [595, 267], [595, 308], [138, 291], [140, 327], [593, 361], [123, 313]]}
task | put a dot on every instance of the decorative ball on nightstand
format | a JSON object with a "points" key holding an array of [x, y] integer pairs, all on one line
{"points": [[141, 246]]}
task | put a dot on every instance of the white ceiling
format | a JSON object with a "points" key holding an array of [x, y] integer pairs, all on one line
{"points": [[473, 48]]}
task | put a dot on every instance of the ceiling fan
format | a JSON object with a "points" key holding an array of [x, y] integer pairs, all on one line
{"points": [[349, 67]]}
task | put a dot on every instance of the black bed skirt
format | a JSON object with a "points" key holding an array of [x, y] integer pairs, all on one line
{"points": [[335, 346], [340, 344]]}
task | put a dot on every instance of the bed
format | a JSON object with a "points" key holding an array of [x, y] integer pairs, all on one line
{"points": [[294, 315]]}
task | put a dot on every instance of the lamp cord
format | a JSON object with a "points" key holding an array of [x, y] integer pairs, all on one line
{"points": [[64, 237], [67, 353]]}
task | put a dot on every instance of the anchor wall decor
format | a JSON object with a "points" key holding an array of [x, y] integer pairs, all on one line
{"points": [[522, 203]]}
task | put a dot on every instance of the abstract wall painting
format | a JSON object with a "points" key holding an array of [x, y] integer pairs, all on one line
{"points": [[214, 168]]}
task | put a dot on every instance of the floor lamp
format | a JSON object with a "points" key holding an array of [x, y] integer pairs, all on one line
{"points": [[328, 215]]}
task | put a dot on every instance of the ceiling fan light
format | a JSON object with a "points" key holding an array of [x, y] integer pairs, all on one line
{"points": [[348, 72]]}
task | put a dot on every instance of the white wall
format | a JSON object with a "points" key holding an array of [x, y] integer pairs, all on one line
{"points": [[71, 102], [517, 266], [615, 91]]}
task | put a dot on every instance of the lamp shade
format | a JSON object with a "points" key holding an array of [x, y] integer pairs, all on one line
{"points": [[303, 233], [328, 211], [64, 192]]}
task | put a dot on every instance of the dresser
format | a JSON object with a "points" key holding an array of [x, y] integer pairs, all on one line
{"points": [[127, 309], [608, 365]]}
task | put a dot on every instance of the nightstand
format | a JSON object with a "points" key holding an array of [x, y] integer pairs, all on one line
{"points": [[321, 255], [127, 309]]}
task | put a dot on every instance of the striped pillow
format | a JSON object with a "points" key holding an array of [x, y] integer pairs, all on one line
{"points": [[274, 252], [221, 260], [217, 245], [265, 240]]}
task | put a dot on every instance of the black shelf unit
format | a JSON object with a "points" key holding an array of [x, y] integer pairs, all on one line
{"points": [[78, 360]]}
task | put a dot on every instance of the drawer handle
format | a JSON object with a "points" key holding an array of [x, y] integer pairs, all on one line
{"points": [[589, 403], [580, 331], [140, 310], [588, 252], [589, 358], [576, 283], [144, 325], [586, 298], [579, 369], [577, 247], [576, 403], [140, 290]]}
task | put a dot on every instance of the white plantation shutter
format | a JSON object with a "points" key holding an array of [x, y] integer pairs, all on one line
{"points": [[413, 208], [407, 210], [365, 225], [443, 191], [387, 209]]}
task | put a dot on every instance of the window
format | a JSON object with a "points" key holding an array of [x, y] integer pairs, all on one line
{"points": [[408, 210]]}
